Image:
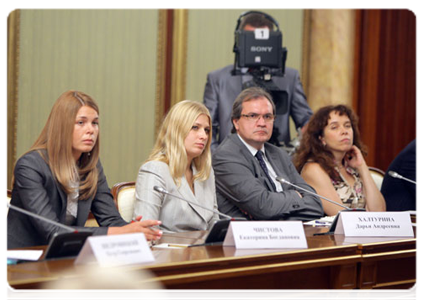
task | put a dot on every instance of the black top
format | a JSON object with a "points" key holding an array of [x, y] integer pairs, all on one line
{"points": [[35, 189], [400, 195]]}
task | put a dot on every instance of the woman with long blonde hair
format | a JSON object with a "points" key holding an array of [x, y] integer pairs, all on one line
{"points": [[61, 178], [180, 162]]}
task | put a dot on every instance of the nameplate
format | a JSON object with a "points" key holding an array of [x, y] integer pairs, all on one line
{"points": [[374, 224], [265, 235], [115, 250]]}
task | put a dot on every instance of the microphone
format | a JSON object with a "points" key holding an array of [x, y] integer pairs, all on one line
{"points": [[282, 180], [62, 244], [31, 214], [163, 191], [396, 175]]}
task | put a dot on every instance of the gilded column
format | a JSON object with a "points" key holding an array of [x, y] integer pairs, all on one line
{"points": [[180, 35], [161, 69], [12, 90]]}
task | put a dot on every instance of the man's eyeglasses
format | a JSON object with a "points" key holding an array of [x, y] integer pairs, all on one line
{"points": [[256, 117]]}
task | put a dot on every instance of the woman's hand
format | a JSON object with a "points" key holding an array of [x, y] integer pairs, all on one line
{"points": [[355, 159], [146, 227], [374, 199]]}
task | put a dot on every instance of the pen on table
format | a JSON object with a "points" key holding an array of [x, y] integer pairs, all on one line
{"points": [[206, 244], [176, 245], [321, 223]]}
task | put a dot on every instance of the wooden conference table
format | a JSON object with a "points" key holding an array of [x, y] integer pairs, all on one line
{"points": [[329, 262]]}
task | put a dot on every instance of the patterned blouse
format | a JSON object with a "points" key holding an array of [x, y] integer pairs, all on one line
{"points": [[352, 197]]}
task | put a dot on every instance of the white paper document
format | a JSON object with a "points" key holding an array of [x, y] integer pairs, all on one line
{"points": [[24, 254]]}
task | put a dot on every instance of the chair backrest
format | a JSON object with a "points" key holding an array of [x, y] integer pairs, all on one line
{"points": [[377, 175], [91, 221], [124, 196], [9, 197]]}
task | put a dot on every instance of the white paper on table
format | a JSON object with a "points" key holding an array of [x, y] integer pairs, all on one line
{"points": [[24, 254]]}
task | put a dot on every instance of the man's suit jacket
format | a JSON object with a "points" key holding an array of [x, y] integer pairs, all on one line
{"points": [[222, 89], [243, 189], [400, 195], [176, 215], [35, 189]]}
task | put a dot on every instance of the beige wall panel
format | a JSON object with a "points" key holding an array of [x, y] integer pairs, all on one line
{"points": [[211, 40], [110, 55], [331, 57]]}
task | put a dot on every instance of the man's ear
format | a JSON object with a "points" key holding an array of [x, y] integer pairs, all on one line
{"points": [[235, 122]]}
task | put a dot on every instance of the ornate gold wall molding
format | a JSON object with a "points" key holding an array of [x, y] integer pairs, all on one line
{"points": [[179, 55], [305, 62], [13, 31], [161, 69], [172, 29]]}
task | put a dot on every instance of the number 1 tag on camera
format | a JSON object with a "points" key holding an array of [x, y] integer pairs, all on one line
{"points": [[261, 33]]}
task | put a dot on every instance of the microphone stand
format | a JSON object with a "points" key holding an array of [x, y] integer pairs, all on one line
{"points": [[335, 220], [218, 231], [398, 176], [282, 180], [31, 214], [64, 244], [163, 191]]}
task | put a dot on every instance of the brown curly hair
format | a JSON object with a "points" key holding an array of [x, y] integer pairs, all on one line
{"points": [[311, 147]]}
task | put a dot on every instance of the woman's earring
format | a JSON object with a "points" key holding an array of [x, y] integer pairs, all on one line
{"points": [[323, 142]]}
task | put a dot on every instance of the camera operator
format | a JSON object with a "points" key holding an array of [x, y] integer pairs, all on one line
{"points": [[224, 85]]}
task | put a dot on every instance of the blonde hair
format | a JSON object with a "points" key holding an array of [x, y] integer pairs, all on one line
{"points": [[57, 137], [170, 143]]}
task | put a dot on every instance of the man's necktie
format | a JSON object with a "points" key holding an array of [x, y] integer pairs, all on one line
{"points": [[260, 158]]}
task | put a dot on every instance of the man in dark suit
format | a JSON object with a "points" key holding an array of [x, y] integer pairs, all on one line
{"points": [[222, 88], [246, 166], [400, 194]]}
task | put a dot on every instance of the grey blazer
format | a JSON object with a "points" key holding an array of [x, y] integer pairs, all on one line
{"points": [[244, 190], [222, 89], [176, 215], [35, 189]]}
